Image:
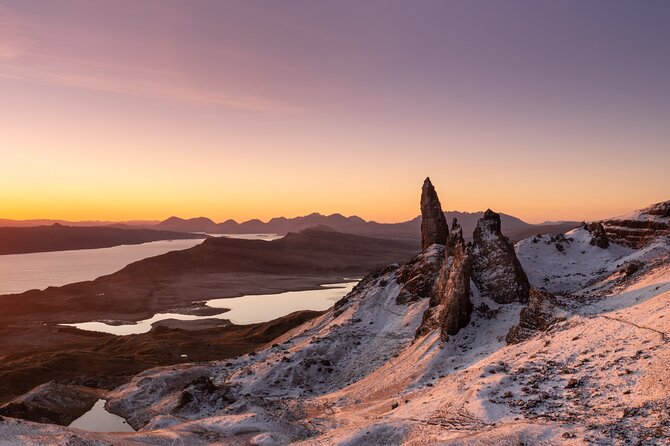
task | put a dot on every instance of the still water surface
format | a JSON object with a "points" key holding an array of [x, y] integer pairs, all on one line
{"points": [[246, 309], [99, 420], [23, 272]]}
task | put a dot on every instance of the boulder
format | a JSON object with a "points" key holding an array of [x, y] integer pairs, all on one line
{"points": [[541, 312]]}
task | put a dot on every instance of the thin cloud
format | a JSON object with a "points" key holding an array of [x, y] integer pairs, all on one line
{"points": [[53, 52], [11, 40], [136, 82]]}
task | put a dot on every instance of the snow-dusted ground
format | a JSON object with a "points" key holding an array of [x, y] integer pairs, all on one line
{"points": [[357, 374], [577, 265]]}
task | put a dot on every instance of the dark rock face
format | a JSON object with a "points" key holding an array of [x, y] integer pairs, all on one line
{"points": [[434, 227], [52, 403], [450, 305], [537, 316], [418, 276], [599, 235], [495, 267]]}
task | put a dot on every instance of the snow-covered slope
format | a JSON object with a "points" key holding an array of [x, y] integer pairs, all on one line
{"points": [[565, 263], [569, 263]]}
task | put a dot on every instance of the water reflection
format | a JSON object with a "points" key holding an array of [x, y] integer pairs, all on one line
{"points": [[246, 309], [99, 420]]}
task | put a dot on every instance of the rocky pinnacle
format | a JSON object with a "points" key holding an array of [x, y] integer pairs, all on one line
{"points": [[495, 267], [450, 306], [434, 227]]}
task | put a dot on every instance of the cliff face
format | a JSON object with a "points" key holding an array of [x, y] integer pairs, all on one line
{"points": [[495, 267], [636, 230]]}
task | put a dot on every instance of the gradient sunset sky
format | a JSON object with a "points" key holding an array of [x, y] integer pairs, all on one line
{"points": [[546, 110]]}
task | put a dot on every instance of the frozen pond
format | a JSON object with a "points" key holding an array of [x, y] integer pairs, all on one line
{"points": [[246, 309], [99, 420], [23, 272]]}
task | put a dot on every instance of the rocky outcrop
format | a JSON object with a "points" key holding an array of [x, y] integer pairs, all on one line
{"points": [[659, 209], [434, 227], [599, 235], [640, 228], [540, 314], [418, 276], [495, 267], [52, 403], [450, 306], [202, 391]]}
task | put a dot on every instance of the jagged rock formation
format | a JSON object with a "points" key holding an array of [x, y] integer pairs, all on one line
{"points": [[495, 267], [639, 228], [418, 276], [434, 227], [450, 306], [540, 313], [599, 235]]}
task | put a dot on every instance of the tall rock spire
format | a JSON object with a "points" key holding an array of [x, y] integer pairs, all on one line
{"points": [[434, 227]]}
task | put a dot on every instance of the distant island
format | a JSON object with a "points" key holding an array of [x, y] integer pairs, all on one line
{"points": [[57, 237]]}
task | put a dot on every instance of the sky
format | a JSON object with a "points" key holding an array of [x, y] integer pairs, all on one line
{"points": [[142, 109]]}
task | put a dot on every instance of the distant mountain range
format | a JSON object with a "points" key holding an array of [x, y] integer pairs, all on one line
{"points": [[513, 227]]}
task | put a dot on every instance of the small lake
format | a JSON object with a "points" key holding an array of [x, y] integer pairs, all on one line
{"points": [[99, 420], [23, 272], [266, 237], [248, 309]]}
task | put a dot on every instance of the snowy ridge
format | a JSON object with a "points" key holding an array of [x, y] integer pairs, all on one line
{"points": [[569, 264]]}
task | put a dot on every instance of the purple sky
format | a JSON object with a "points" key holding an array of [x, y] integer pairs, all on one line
{"points": [[142, 109]]}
